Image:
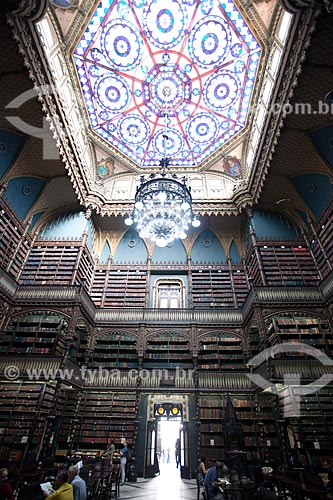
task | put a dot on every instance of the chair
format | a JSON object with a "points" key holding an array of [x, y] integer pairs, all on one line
{"points": [[32, 492], [205, 493], [114, 482], [200, 486]]}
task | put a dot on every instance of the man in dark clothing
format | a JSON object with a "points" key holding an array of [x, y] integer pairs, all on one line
{"points": [[214, 483]]}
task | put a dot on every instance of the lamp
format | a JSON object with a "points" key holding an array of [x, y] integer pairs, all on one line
{"points": [[163, 206]]}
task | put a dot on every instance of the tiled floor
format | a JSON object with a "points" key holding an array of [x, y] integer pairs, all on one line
{"points": [[168, 485]]}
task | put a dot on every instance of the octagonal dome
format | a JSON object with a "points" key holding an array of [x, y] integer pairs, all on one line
{"points": [[167, 77]]}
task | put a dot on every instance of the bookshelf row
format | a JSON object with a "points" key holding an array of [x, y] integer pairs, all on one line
{"points": [[255, 417], [99, 418], [300, 328]]}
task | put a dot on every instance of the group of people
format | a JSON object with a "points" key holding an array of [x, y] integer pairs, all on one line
{"points": [[212, 478], [68, 486]]}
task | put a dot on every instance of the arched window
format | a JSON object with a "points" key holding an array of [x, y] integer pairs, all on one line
{"points": [[169, 294]]}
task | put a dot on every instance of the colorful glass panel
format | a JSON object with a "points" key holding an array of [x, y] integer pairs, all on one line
{"points": [[177, 66]]}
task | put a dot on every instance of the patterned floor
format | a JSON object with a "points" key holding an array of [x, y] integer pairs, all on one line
{"points": [[168, 485]]}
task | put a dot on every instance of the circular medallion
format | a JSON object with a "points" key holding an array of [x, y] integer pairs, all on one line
{"points": [[221, 90], [122, 44], [26, 190], [173, 144], [133, 129], [112, 92], [164, 27], [202, 128], [209, 41]]}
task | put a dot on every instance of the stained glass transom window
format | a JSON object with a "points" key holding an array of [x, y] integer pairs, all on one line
{"points": [[182, 64]]}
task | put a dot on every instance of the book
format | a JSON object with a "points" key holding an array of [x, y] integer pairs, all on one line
{"points": [[47, 488]]}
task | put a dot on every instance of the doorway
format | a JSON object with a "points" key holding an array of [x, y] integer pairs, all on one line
{"points": [[161, 454], [168, 442]]}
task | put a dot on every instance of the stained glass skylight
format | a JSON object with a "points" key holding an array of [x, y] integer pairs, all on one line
{"points": [[185, 65]]}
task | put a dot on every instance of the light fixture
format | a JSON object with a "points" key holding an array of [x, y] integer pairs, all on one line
{"points": [[163, 205]]}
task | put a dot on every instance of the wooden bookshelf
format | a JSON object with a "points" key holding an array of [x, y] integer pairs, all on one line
{"points": [[23, 410], [50, 263], [98, 285], [288, 264], [324, 231], [300, 328], [212, 288], [165, 350], [240, 284], [210, 413], [105, 416], [37, 332], [252, 267], [68, 405], [253, 340], [81, 341], [85, 273], [126, 288], [220, 351], [266, 413], [11, 232], [310, 422], [115, 350]]}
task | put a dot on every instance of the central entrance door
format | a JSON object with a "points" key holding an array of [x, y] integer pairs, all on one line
{"points": [[167, 442]]}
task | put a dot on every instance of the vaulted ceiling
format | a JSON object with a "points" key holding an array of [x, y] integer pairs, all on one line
{"points": [[283, 166]]}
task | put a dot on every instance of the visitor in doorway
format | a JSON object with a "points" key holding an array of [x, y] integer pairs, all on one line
{"points": [[78, 484], [163, 454], [214, 483], [6, 492], [64, 490], [168, 455], [177, 452], [123, 460]]}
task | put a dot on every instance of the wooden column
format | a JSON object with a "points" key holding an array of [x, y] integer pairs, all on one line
{"points": [[255, 248], [106, 281], [316, 236], [232, 280], [147, 296], [311, 253], [83, 244]]}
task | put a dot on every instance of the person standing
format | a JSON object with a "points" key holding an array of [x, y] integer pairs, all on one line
{"points": [[110, 451], [78, 484], [6, 492], [177, 452], [123, 460]]}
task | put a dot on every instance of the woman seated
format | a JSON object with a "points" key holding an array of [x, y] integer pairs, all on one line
{"points": [[6, 492]]}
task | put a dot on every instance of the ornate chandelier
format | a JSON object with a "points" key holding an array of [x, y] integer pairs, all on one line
{"points": [[163, 206]]}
